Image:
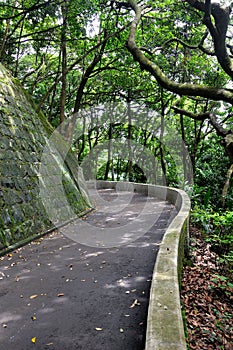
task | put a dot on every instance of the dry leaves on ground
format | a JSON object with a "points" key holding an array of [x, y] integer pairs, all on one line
{"points": [[207, 300]]}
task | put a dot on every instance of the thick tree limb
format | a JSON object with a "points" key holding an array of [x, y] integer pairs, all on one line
{"points": [[218, 30], [219, 129], [186, 89]]}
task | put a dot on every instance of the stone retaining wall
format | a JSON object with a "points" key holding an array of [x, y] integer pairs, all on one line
{"points": [[23, 137]]}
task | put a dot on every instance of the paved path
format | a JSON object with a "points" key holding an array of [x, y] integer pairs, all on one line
{"points": [[59, 294]]}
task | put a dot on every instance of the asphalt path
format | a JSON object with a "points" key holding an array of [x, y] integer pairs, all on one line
{"points": [[75, 291]]}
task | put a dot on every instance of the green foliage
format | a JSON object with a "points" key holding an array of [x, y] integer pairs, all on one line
{"points": [[3, 237], [32, 35], [222, 283], [218, 228], [211, 168]]}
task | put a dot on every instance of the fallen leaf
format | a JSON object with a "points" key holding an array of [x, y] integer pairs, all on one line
{"points": [[34, 340], [60, 295], [135, 303], [33, 296], [33, 318], [206, 303]]}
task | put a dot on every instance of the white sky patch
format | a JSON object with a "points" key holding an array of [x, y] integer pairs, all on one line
{"points": [[222, 2], [93, 27]]}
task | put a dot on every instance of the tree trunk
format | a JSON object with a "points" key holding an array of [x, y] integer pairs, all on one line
{"points": [[109, 152], [82, 85], [130, 161], [161, 148], [64, 9], [18, 50], [227, 185]]}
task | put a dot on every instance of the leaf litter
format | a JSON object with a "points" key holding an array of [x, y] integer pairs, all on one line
{"points": [[207, 303]]}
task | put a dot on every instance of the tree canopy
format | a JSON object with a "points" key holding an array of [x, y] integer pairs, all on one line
{"points": [[174, 58]]}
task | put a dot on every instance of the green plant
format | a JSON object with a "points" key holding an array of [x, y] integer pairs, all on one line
{"points": [[222, 283], [217, 228]]}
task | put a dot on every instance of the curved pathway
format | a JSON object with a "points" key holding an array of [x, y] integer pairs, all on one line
{"points": [[59, 294]]}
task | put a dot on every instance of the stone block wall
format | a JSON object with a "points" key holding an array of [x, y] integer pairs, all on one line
{"points": [[23, 137]]}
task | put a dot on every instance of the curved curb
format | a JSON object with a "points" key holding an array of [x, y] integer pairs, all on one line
{"points": [[165, 329]]}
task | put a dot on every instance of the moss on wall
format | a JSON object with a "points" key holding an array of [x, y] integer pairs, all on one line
{"points": [[23, 137]]}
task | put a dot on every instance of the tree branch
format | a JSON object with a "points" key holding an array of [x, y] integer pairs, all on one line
{"points": [[201, 116], [24, 11], [218, 30], [192, 47], [186, 89]]}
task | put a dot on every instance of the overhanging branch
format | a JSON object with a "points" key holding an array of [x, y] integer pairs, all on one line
{"points": [[201, 116], [218, 29], [186, 89], [211, 117]]}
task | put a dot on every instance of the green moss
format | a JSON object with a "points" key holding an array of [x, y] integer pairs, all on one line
{"points": [[24, 135]]}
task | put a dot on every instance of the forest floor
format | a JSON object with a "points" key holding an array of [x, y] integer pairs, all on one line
{"points": [[207, 299]]}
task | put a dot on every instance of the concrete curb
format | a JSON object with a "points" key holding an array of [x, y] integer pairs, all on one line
{"points": [[165, 329]]}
